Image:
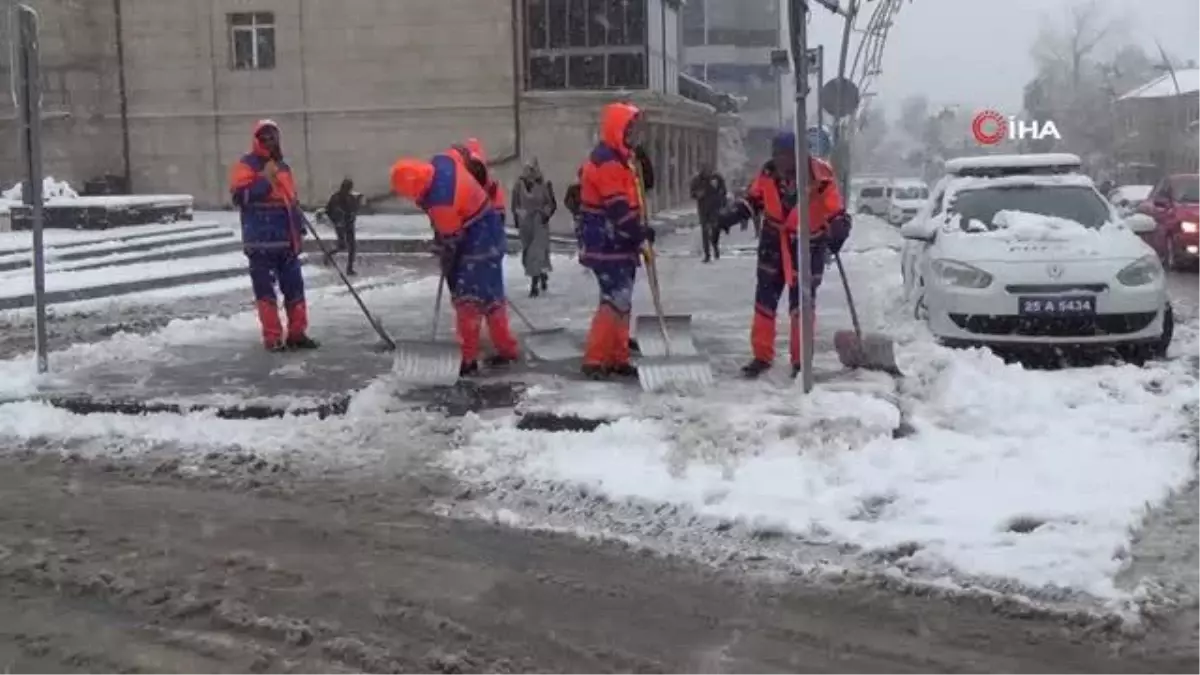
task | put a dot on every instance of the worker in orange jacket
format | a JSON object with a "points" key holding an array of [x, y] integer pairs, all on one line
{"points": [[262, 187], [472, 249], [473, 154], [612, 232], [773, 196]]}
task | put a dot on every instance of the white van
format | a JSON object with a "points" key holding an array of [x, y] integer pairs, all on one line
{"points": [[873, 198], [905, 199]]}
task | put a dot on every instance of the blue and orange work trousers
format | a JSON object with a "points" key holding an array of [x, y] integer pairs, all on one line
{"points": [[777, 269], [477, 285], [278, 266], [608, 337]]}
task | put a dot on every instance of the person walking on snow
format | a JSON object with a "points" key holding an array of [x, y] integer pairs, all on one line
{"points": [[773, 195], [472, 245], [612, 232], [533, 204], [342, 211], [710, 193], [262, 187]]}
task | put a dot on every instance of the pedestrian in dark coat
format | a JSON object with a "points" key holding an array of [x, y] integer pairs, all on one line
{"points": [[709, 191], [342, 211]]}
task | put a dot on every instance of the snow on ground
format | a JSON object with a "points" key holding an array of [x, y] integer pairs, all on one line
{"points": [[60, 193], [21, 283], [971, 472], [21, 242], [1011, 475]]}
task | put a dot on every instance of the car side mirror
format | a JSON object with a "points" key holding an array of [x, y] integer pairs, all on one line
{"points": [[1140, 223], [918, 230], [1162, 202]]}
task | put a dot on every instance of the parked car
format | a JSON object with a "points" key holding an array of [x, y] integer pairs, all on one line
{"points": [[873, 199], [906, 199], [1176, 212], [1127, 198], [1023, 251]]}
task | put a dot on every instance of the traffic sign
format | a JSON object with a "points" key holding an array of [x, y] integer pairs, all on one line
{"points": [[820, 142], [839, 97]]}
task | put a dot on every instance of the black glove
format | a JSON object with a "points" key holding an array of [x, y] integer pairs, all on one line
{"points": [[730, 216], [839, 232], [650, 235]]}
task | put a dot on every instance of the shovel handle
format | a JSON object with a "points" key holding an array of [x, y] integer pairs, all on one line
{"points": [[383, 334], [656, 297], [521, 315], [837, 258], [437, 307]]}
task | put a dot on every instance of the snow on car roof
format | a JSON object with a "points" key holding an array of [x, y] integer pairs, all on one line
{"points": [[1164, 85], [954, 184], [1044, 160]]}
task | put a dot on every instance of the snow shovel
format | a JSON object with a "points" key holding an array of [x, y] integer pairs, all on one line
{"points": [[388, 343], [857, 350], [547, 344], [652, 331], [670, 369], [429, 362]]}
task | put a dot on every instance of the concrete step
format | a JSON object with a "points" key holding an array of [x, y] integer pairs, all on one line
{"points": [[215, 236], [226, 245], [159, 231], [123, 288]]}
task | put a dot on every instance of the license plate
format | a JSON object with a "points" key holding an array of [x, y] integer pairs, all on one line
{"points": [[1075, 305]]}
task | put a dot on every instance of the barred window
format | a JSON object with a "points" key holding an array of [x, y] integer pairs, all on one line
{"points": [[585, 44], [252, 40]]}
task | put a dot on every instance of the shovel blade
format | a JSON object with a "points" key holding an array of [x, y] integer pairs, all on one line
{"points": [[552, 344], [872, 352], [427, 362], [662, 373], [648, 333]]}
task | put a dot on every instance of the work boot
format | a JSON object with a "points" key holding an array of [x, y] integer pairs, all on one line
{"points": [[350, 272], [716, 254], [533, 288], [498, 361], [468, 369], [594, 372], [707, 258], [623, 370], [755, 368], [302, 342]]}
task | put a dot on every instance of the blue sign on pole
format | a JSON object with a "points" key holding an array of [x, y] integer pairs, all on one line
{"points": [[820, 143]]}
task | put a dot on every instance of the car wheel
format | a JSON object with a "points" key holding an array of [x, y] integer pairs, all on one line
{"points": [[1159, 349]]}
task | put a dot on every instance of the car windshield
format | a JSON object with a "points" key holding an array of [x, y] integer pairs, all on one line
{"points": [[1080, 204], [911, 193], [1186, 189]]}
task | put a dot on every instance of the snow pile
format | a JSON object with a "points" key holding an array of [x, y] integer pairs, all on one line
{"points": [[1036, 477], [51, 190], [1024, 226]]}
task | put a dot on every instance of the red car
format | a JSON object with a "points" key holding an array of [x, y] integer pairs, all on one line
{"points": [[1175, 207]]}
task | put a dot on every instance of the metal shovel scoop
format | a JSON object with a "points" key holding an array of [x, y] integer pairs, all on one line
{"points": [[857, 350], [547, 344], [670, 370], [429, 362]]}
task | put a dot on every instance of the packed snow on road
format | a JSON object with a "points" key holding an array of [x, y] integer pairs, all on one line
{"points": [[967, 473]]}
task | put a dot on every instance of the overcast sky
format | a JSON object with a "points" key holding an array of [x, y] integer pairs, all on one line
{"points": [[977, 52]]}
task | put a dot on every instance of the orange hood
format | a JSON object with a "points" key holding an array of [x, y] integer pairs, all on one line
{"points": [[476, 149], [256, 145], [614, 121], [411, 178]]}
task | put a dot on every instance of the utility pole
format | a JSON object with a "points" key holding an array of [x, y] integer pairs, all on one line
{"points": [[29, 110], [798, 20]]}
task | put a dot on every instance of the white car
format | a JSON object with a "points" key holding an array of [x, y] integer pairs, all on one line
{"points": [[873, 199], [906, 200], [1127, 197], [1022, 250]]}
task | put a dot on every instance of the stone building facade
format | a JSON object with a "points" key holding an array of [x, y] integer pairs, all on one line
{"points": [[165, 92]]}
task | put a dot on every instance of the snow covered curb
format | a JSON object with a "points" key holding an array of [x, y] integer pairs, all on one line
{"points": [[1028, 486]]}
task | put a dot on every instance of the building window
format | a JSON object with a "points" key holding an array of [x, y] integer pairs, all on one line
{"points": [[585, 44], [252, 40]]}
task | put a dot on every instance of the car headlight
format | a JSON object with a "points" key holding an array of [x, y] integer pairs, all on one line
{"points": [[954, 273], [1189, 227], [1144, 270]]}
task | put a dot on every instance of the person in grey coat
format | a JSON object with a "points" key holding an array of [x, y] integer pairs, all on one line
{"points": [[533, 204]]}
